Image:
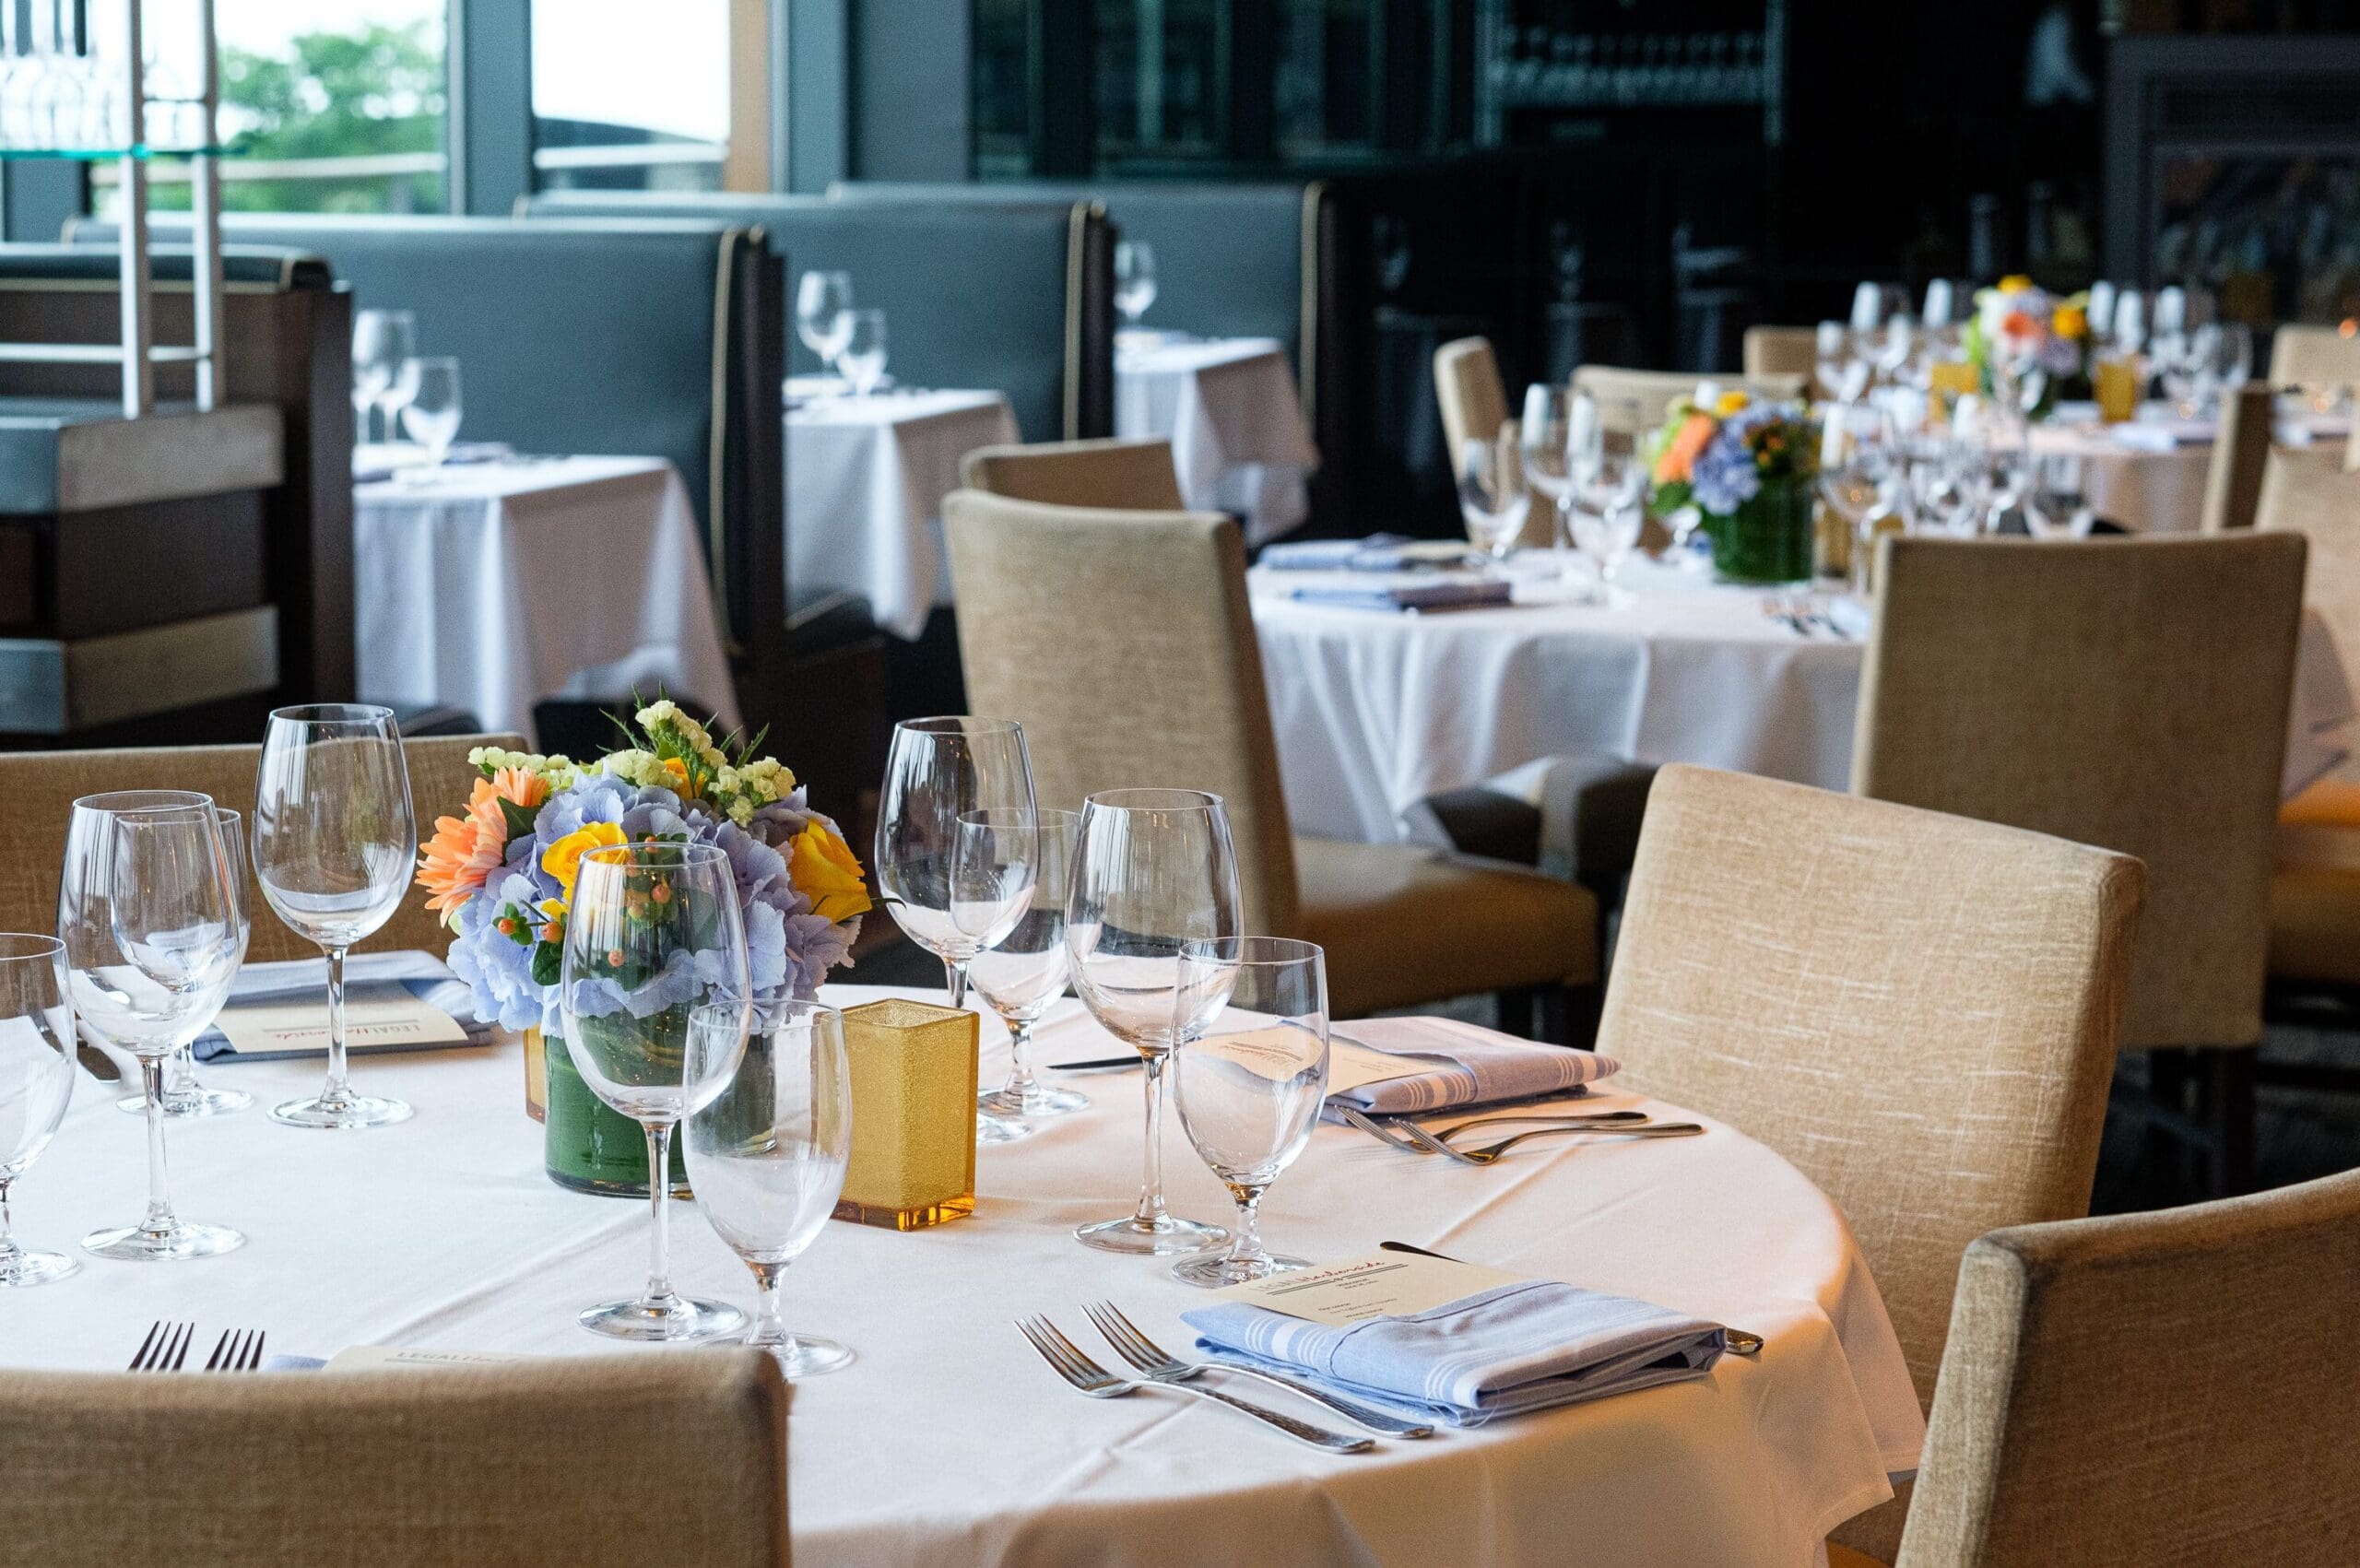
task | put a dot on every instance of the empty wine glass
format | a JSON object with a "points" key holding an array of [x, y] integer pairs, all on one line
{"points": [[1858, 473], [36, 1083], [1134, 279], [1154, 869], [150, 925], [654, 934], [1491, 494], [332, 843], [767, 1152], [382, 341], [1544, 437], [430, 413], [1249, 1075], [862, 359], [824, 314], [1021, 975], [2057, 505], [1607, 481], [184, 1096]]}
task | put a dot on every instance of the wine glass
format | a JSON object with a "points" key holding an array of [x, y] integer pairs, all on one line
{"points": [[1607, 480], [1249, 1075], [149, 927], [332, 843], [655, 934], [767, 1152], [1491, 494], [430, 413], [1134, 279], [1543, 438], [36, 1083], [2058, 504], [824, 314], [382, 340], [1021, 976], [1154, 870], [184, 1096], [862, 359], [1856, 475]]}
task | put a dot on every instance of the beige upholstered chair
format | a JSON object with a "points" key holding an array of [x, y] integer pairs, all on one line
{"points": [[2313, 355], [1474, 403], [1781, 351], [2150, 1388], [494, 1467], [1124, 644], [1651, 392], [2240, 455], [1918, 1011], [37, 790], [1124, 476]]}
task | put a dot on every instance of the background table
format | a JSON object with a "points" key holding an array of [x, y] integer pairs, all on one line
{"points": [[1229, 408], [488, 586], [2149, 486], [949, 1442], [866, 478]]}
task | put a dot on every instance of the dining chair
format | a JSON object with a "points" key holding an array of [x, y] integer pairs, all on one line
{"points": [[37, 790], [1124, 643], [596, 1461], [1650, 393], [1919, 1010], [1781, 351], [1124, 476], [2233, 475], [2150, 1388], [1474, 404], [2128, 693], [2309, 355]]}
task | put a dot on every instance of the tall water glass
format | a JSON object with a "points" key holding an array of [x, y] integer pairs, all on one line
{"points": [[36, 1083], [1154, 870], [333, 844], [1493, 497], [184, 1096], [654, 934], [1021, 975], [1134, 279], [382, 340], [767, 1153], [824, 314], [1249, 1075], [434, 407], [149, 924]]}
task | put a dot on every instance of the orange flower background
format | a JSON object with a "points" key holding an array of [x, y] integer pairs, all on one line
{"points": [[466, 851]]}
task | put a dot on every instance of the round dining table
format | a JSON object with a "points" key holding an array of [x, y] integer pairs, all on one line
{"points": [[949, 1441]]}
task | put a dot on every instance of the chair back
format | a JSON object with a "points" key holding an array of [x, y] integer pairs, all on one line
{"points": [[1474, 404], [478, 1468], [2240, 455], [37, 791], [2131, 693], [2310, 355], [2308, 490], [1121, 475], [1781, 351], [2099, 1367], [1123, 643], [1652, 392]]}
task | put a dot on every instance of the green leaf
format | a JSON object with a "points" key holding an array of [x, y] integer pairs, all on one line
{"points": [[549, 963], [520, 818]]}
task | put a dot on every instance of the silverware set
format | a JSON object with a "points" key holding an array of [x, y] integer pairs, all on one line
{"points": [[1804, 616], [1402, 1133], [166, 1349]]}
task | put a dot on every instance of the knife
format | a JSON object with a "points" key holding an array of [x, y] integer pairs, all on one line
{"points": [[1102, 1065]]}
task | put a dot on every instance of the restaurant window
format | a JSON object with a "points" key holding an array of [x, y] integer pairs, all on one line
{"points": [[630, 97], [1326, 77], [1161, 80], [1003, 96]]}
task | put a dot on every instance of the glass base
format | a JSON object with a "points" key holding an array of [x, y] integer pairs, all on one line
{"points": [[1214, 1270], [1000, 1129], [137, 1243], [338, 1111], [1038, 1099], [683, 1320], [198, 1100], [29, 1269], [1166, 1237], [801, 1356]]}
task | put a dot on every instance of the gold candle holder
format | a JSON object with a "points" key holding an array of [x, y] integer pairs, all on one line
{"points": [[913, 1114]]}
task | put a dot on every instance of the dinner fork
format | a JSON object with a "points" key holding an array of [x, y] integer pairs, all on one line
{"points": [[1157, 1365], [1490, 1154], [1099, 1383], [239, 1350], [165, 1348]]}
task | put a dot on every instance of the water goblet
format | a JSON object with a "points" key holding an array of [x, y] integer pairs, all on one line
{"points": [[433, 408], [1545, 436], [862, 359], [184, 1096], [36, 1083], [1134, 279], [1021, 975], [1493, 497], [382, 340], [2057, 506], [824, 314]]}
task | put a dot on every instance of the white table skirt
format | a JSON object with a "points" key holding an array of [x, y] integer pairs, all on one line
{"points": [[866, 478], [1229, 408], [492, 585], [949, 1442], [2150, 478], [1375, 712]]}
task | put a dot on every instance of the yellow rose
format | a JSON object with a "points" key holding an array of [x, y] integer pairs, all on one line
{"points": [[2071, 321], [1731, 402], [824, 871], [562, 859], [2016, 283]]}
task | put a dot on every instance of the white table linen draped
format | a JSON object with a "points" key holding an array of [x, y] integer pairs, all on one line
{"points": [[490, 586], [866, 478], [949, 1442], [1231, 410], [2149, 475]]}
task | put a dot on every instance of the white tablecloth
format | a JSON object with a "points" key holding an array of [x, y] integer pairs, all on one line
{"points": [[488, 586], [2149, 475], [1374, 711], [949, 1442], [1229, 408], [866, 478]]}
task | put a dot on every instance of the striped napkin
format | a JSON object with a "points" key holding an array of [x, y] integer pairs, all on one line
{"points": [[1455, 593], [1465, 1064]]}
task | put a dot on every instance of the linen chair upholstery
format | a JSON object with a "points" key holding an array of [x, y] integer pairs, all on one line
{"points": [[1127, 476], [1124, 642], [1474, 404], [37, 790], [1781, 351], [2130, 693], [2309, 355], [2240, 455], [1652, 390], [492, 1466]]}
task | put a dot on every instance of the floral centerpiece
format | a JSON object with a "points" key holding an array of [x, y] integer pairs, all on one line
{"points": [[1749, 468], [501, 877], [2025, 342]]}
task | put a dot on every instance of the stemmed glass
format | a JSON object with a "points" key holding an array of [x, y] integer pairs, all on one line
{"points": [[1249, 1075], [862, 359], [1154, 870], [1021, 976], [184, 1096], [36, 1083], [767, 1152], [382, 341], [1856, 474], [332, 843], [1491, 494], [1134, 279], [824, 314], [2057, 506], [1544, 436], [653, 936], [433, 409], [149, 927], [1608, 479]]}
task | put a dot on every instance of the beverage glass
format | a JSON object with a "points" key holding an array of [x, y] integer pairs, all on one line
{"points": [[824, 314], [862, 359], [1545, 436], [1021, 975], [433, 409], [382, 341], [2057, 505], [36, 1083], [1134, 279], [1493, 497], [184, 1096]]}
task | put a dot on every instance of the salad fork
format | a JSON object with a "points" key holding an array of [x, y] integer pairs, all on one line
{"points": [[239, 1350], [1158, 1365], [165, 1348], [1097, 1383]]}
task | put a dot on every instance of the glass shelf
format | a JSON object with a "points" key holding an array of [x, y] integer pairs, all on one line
{"points": [[107, 154]]}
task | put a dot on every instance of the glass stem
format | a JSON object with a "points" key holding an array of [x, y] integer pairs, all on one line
{"points": [[955, 977], [1019, 1070], [1247, 1247], [659, 1198], [180, 1071], [770, 1312], [336, 1087], [7, 1233], [159, 1222], [1151, 1209]]}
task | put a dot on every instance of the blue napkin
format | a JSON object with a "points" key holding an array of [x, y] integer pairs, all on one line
{"points": [[421, 973], [1469, 1065], [1499, 1352], [1466, 592], [1379, 552]]}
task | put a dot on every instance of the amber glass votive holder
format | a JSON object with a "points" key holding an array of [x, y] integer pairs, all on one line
{"points": [[913, 1114]]}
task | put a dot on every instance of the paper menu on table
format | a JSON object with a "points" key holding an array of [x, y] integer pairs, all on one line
{"points": [[378, 1016], [372, 1358], [1382, 1284], [1350, 1065]]}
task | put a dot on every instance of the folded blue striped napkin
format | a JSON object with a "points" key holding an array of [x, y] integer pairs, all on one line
{"points": [[1465, 1065], [1379, 552], [1457, 593], [1499, 1352]]}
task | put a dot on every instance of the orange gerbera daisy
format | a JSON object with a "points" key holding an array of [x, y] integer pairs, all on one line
{"points": [[465, 851]]}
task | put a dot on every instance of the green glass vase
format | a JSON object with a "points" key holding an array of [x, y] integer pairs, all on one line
{"points": [[1767, 538], [589, 1146]]}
